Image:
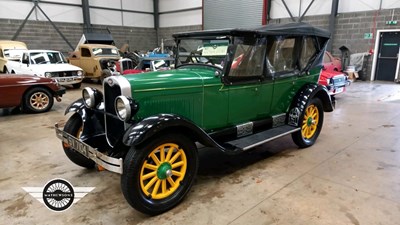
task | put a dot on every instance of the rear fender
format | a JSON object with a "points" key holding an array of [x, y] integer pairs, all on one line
{"points": [[308, 92], [146, 129]]}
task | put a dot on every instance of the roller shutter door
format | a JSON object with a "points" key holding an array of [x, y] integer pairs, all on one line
{"points": [[232, 13]]}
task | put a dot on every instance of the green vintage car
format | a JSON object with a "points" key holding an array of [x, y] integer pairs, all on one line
{"points": [[232, 90]]}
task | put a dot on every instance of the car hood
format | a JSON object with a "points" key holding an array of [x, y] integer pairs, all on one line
{"points": [[325, 74], [194, 78], [23, 79], [42, 68]]}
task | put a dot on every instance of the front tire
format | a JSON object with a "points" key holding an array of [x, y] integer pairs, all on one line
{"points": [[159, 174], [74, 127], [38, 100], [311, 124]]}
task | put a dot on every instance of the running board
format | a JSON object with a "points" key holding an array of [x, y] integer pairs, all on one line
{"points": [[251, 141]]}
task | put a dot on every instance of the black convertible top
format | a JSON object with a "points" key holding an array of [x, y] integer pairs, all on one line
{"points": [[270, 29]]}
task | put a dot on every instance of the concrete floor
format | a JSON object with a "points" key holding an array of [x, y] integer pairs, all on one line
{"points": [[350, 176]]}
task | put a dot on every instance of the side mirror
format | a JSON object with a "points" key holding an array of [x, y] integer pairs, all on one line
{"points": [[323, 68]]}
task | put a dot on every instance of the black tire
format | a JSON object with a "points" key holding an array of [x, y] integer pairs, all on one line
{"points": [[5, 70], [310, 123], [77, 85], [74, 127], [37, 100], [133, 181]]}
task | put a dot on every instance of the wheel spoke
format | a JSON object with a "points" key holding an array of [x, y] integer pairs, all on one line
{"points": [[156, 187], [155, 159], [169, 154], [150, 166], [171, 182], [178, 164], [163, 186], [151, 182], [149, 175], [176, 173], [162, 154], [175, 157]]}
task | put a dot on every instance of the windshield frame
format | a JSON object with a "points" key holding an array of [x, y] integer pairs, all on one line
{"points": [[200, 60]]}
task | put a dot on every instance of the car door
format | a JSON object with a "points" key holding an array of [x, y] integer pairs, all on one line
{"points": [[25, 66], [282, 60], [249, 91], [87, 62]]}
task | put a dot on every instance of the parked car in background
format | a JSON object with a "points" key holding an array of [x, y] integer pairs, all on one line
{"points": [[32, 94], [331, 75], [94, 59], [335, 82], [147, 64], [332, 63], [50, 64], [10, 51], [145, 126]]}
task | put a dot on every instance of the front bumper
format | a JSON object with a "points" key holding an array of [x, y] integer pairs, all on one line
{"points": [[69, 80], [108, 163], [60, 91]]}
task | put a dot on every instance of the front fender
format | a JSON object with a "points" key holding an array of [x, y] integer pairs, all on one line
{"points": [[301, 99], [93, 120], [146, 129]]}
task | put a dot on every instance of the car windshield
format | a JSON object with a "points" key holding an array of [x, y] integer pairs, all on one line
{"points": [[105, 51], [209, 50], [47, 58], [13, 53]]}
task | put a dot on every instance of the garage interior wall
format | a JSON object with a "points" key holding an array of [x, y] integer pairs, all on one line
{"points": [[130, 21], [179, 16]]}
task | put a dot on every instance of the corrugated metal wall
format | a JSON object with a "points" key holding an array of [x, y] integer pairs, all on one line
{"points": [[232, 14]]}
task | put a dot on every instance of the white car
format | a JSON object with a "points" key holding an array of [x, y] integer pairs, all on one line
{"points": [[50, 64]]}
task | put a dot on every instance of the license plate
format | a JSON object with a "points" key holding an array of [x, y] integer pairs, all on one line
{"points": [[339, 90]]}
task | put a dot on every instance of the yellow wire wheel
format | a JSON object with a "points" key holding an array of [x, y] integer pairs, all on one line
{"points": [[310, 124], [159, 173], [163, 171], [310, 121]]}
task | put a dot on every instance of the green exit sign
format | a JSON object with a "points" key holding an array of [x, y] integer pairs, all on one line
{"points": [[391, 22], [368, 35]]}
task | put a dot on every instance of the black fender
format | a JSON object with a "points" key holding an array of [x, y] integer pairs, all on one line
{"points": [[77, 106], [147, 128], [307, 92], [93, 119]]}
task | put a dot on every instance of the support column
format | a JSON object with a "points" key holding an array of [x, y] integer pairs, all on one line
{"points": [[156, 19], [86, 15], [332, 19]]}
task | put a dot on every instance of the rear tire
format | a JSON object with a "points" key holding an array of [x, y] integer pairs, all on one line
{"points": [[159, 174], [74, 127], [311, 121], [37, 100]]}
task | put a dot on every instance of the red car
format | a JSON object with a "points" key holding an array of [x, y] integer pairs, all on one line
{"points": [[32, 93], [334, 80], [332, 63]]}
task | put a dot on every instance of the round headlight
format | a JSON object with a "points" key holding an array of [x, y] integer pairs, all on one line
{"points": [[47, 74], [88, 95], [123, 108], [79, 73]]}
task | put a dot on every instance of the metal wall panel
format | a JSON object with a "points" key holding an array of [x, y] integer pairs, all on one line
{"points": [[232, 14]]}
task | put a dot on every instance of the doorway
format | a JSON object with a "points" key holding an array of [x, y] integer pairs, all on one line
{"points": [[387, 57]]}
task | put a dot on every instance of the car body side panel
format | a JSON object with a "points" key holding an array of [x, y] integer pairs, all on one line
{"points": [[163, 92], [13, 87]]}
